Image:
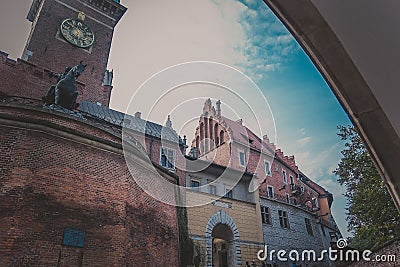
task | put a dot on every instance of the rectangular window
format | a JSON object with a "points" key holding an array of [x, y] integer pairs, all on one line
{"points": [[270, 191], [283, 219], [265, 215], [194, 184], [315, 202], [302, 189], [267, 167], [291, 179], [242, 158], [212, 189], [228, 193], [167, 158], [287, 198], [284, 177], [276, 168], [308, 226]]}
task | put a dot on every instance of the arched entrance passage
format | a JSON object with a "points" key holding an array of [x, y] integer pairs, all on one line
{"points": [[222, 236], [223, 250]]}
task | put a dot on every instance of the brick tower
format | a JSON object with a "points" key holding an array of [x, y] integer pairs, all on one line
{"points": [[65, 32]]}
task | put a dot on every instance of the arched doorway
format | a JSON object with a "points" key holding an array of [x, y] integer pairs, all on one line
{"points": [[222, 241], [223, 250]]}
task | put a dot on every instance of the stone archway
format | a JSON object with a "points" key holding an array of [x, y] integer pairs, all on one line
{"points": [[222, 229]]}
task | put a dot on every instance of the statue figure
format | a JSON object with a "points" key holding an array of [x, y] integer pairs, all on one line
{"points": [[64, 93], [48, 99]]}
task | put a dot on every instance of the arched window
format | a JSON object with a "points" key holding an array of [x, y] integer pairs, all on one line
{"points": [[221, 137]]}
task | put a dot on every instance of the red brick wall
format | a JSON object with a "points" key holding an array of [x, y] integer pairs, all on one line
{"points": [[49, 182], [20, 78], [227, 154]]}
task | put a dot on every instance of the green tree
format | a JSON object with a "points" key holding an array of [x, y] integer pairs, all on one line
{"points": [[372, 216]]}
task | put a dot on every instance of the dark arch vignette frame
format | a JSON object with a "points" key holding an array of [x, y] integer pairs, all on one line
{"points": [[325, 50]]}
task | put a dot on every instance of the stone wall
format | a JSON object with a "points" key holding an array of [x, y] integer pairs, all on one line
{"points": [[52, 179], [296, 237]]}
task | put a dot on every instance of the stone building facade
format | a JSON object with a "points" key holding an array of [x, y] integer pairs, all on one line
{"points": [[295, 211], [224, 219]]}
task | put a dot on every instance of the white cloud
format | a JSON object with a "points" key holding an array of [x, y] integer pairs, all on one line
{"points": [[303, 141], [317, 164], [302, 131]]}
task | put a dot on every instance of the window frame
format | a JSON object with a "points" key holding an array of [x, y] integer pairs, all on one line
{"points": [[195, 188], [228, 191], [309, 226], [209, 189], [244, 158], [269, 172], [265, 215], [167, 150], [283, 219], [284, 176], [315, 202], [273, 192]]}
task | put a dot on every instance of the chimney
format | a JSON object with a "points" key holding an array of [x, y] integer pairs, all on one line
{"points": [[184, 140], [218, 109], [138, 115], [108, 78], [168, 123]]}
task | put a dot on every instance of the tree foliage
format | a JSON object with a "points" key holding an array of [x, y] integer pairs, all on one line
{"points": [[372, 216]]}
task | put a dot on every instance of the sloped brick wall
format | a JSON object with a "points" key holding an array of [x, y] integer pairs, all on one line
{"points": [[49, 182]]}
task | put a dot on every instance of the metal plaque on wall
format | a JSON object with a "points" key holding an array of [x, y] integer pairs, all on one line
{"points": [[73, 237]]}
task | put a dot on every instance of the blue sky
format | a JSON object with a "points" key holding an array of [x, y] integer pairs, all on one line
{"points": [[244, 34], [305, 110]]}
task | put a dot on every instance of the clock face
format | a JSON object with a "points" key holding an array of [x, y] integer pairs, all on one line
{"points": [[77, 33]]}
